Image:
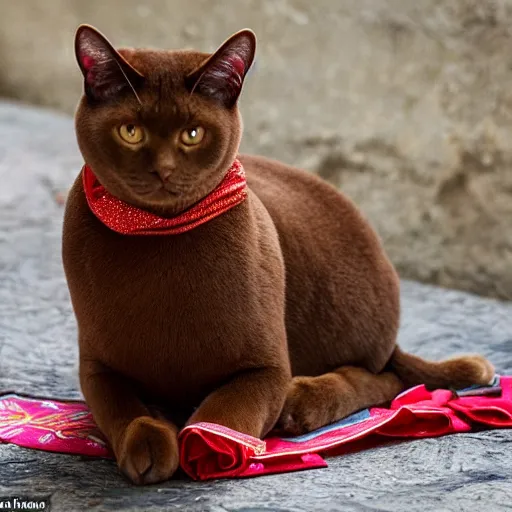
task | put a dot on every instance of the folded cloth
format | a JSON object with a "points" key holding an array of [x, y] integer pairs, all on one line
{"points": [[212, 451]]}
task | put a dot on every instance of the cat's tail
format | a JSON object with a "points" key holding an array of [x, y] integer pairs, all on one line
{"points": [[455, 373]]}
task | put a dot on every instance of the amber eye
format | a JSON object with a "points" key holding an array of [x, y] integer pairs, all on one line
{"points": [[192, 136], [131, 133]]}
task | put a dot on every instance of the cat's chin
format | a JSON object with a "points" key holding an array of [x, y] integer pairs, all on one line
{"points": [[165, 203]]}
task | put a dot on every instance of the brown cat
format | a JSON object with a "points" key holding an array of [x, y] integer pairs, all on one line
{"points": [[291, 281]]}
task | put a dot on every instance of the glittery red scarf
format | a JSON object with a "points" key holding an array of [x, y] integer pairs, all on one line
{"points": [[130, 220]]}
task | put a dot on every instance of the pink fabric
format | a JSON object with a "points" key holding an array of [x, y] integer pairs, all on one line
{"points": [[49, 425], [213, 451]]}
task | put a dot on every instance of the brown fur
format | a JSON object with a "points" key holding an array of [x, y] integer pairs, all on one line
{"points": [[291, 282]]}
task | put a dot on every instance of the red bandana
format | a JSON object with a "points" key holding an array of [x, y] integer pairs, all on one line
{"points": [[130, 220]]}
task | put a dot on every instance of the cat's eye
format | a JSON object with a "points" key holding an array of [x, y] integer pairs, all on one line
{"points": [[131, 133], [192, 136]]}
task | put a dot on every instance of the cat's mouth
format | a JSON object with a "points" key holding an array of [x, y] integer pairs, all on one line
{"points": [[161, 190], [175, 191], [163, 198]]}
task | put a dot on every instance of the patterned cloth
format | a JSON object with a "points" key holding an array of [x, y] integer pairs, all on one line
{"points": [[211, 451]]}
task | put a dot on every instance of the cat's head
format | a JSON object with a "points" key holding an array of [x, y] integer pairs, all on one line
{"points": [[160, 128]]}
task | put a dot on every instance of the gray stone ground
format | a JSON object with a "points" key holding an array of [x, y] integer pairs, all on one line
{"points": [[39, 158]]}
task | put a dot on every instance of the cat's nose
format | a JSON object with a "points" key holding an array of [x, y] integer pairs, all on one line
{"points": [[165, 165], [164, 173]]}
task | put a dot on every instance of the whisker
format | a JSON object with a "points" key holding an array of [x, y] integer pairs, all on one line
{"points": [[129, 83]]}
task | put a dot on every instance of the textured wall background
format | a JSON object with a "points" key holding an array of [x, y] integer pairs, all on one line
{"points": [[406, 105]]}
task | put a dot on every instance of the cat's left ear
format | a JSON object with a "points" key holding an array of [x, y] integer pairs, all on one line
{"points": [[106, 72], [222, 75]]}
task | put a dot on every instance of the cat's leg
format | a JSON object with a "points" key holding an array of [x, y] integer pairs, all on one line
{"points": [[146, 448], [313, 402], [249, 403]]}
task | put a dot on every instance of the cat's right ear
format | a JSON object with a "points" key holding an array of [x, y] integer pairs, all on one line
{"points": [[106, 72]]}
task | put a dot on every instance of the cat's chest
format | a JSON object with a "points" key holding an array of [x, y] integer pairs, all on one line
{"points": [[165, 311], [178, 314]]}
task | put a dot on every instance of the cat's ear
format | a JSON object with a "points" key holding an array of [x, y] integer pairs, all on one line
{"points": [[222, 75], [106, 72]]}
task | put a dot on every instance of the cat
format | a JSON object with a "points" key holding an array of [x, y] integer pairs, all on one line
{"points": [[281, 312]]}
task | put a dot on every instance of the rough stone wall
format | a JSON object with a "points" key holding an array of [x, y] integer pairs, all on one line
{"points": [[405, 105]]}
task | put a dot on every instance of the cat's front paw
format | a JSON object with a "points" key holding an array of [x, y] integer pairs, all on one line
{"points": [[148, 451], [311, 403]]}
